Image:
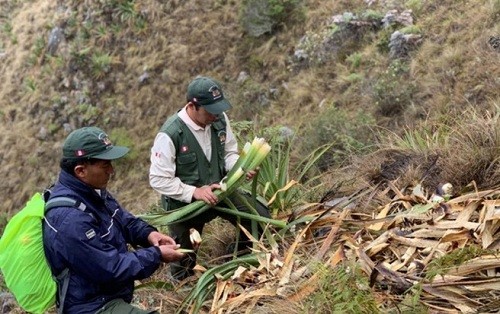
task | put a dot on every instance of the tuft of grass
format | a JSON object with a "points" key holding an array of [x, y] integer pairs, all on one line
{"points": [[372, 15], [412, 29], [441, 265], [103, 35], [127, 13], [354, 78], [101, 63], [355, 60], [384, 37], [421, 140], [7, 28], [415, 6], [478, 134], [37, 51], [30, 84], [343, 289], [125, 10]]}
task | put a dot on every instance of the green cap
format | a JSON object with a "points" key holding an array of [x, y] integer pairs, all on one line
{"points": [[91, 142], [206, 92]]}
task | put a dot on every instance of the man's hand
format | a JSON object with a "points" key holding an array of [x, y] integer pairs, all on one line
{"points": [[155, 238], [169, 253], [206, 194], [251, 174]]}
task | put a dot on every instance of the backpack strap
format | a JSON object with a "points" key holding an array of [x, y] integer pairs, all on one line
{"points": [[62, 288], [63, 201], [62, 278]]}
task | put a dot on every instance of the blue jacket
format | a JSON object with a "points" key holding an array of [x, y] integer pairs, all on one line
{"points": [[92, 244]]}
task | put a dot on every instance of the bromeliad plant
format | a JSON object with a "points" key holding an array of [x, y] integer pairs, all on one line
{"points": [[271, 181], [250, 158]]}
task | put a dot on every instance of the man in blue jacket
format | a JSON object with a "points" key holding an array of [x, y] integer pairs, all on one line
{"points": [[86, 245]]}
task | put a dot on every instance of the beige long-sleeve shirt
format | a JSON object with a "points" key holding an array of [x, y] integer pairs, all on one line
{"points": [[162, 170]]}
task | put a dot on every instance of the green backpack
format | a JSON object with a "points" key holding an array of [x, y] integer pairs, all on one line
{"points": [[22, 259]]}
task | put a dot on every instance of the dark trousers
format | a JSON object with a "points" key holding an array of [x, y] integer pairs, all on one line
{"points": [[118, 306], [184, 268]]}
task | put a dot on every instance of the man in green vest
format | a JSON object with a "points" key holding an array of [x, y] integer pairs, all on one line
{"points": [[193, 151]]}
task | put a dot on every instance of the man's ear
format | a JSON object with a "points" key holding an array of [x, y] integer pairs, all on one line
{"points": [[80, 171]]}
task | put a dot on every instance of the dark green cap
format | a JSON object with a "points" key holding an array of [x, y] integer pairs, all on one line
{"points": [[91, 142], [206, 92]]}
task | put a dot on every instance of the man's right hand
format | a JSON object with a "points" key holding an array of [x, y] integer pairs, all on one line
{"points": [[169, 253], [206, 194]]}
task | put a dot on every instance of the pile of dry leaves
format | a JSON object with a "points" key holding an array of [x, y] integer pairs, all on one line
{"points": [[444, 246]]}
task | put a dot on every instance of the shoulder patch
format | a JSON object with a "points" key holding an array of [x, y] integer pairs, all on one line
{"points": [[90, 234]]}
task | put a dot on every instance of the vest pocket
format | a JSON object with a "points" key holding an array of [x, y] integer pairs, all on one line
{"points": [[187, 168]]}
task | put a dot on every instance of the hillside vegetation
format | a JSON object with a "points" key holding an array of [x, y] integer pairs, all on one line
{"points": [[125, 65], [406, 93]]}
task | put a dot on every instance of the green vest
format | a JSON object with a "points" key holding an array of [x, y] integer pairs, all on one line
{"points": [[191, 165]]}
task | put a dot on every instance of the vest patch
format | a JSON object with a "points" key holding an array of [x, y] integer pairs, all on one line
{"points": [[222, 137], [184, 148]]}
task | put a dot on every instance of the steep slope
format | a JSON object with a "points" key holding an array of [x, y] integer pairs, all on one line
{"points": [[124, 65]]}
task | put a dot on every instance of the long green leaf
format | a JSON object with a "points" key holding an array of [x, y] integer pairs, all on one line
{"points": [[274, 222], [156, 285]]}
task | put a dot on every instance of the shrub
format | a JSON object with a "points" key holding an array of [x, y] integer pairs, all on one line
{"points": [[393, 90], [259, 17], [348, 133]]}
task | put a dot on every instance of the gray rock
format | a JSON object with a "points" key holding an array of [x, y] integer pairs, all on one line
{"points": [[394, 17], [400, 45], [242, 77], [42, 133], [494, 42], [67, 128], [55, 38], [143, 79], [300, 55], [274, 92], [101, 86]]}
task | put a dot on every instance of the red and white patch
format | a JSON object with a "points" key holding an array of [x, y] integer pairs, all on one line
{"points": [[80, 153], [184, 148]]}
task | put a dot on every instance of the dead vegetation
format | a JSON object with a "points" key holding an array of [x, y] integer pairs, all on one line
{"points": [[415, 254]]}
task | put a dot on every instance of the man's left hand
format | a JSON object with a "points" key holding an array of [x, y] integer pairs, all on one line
{"points": [[155, 238]]}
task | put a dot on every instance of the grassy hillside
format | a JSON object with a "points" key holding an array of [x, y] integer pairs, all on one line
{"points": [[94, 76], [325, 70]]}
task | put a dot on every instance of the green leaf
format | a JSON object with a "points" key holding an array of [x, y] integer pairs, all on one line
{"points": [[421, 208], [156, 285]]}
